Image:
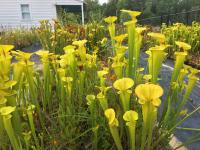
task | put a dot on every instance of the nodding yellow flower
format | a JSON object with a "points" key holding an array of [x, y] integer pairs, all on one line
{"points": [[118, 64], [67, 79], [44, 55], [158, 36], [110, 115], [130, 117], [140, 69], [147, 77], [110, 19], [7, 84], [101, 96], [183, 45], [7, 110], [139, 30], [80, 43], [69, 49], [23, 58], [123, 84], [133, 14], [31, 108], [149, 93], [90, 99], [103, 72], [121, 49], [193, 71], [101, 75], [104, 41], [119, 39], [4, 49]]}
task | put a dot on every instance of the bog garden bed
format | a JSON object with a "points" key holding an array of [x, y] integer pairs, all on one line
{"points": [[94, 93]]}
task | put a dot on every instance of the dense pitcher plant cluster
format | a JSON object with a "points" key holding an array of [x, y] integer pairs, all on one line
{"points": [[63, 100]]}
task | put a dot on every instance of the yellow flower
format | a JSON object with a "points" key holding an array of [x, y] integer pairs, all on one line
{"points": [[90, 99], [7, 110], [43, 54], [102, 72], [149, 92], [139, 30], [123, 84], [183, 45], [5, 48], [110, 115], [133, 14], [130, 117], [147, 77], [120, 38], [110, 19], [157, 36], [69, 49], [80, 43]]}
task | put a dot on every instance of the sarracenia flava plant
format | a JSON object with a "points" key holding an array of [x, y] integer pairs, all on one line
{"points": [[63, 99]]}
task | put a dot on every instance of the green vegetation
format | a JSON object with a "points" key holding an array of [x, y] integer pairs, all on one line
{"points": [[75, 99]]}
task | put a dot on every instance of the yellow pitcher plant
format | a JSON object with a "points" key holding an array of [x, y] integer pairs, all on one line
{"points": [[123, 86], [113, 124], [149, 97]]}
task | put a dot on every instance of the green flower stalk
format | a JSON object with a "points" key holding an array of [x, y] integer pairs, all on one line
{"points": [[192, 79], [101, 75], [118, 65], [123, 85], [101, 96], [30, 111], [113, 124], [27, 137], [138, 43], [132, 49], [44, 55], [111, 28], [148, 95], [6, 115], [131, 40], [24, 60], [91, 102], [131, 118], [68, 87]]}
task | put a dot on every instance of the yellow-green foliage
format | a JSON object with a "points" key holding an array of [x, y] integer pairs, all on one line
{"points": [[185, 33], [20, 38]]}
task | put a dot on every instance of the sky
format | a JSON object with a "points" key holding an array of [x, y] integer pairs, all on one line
{"points": [[102, 1]]}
